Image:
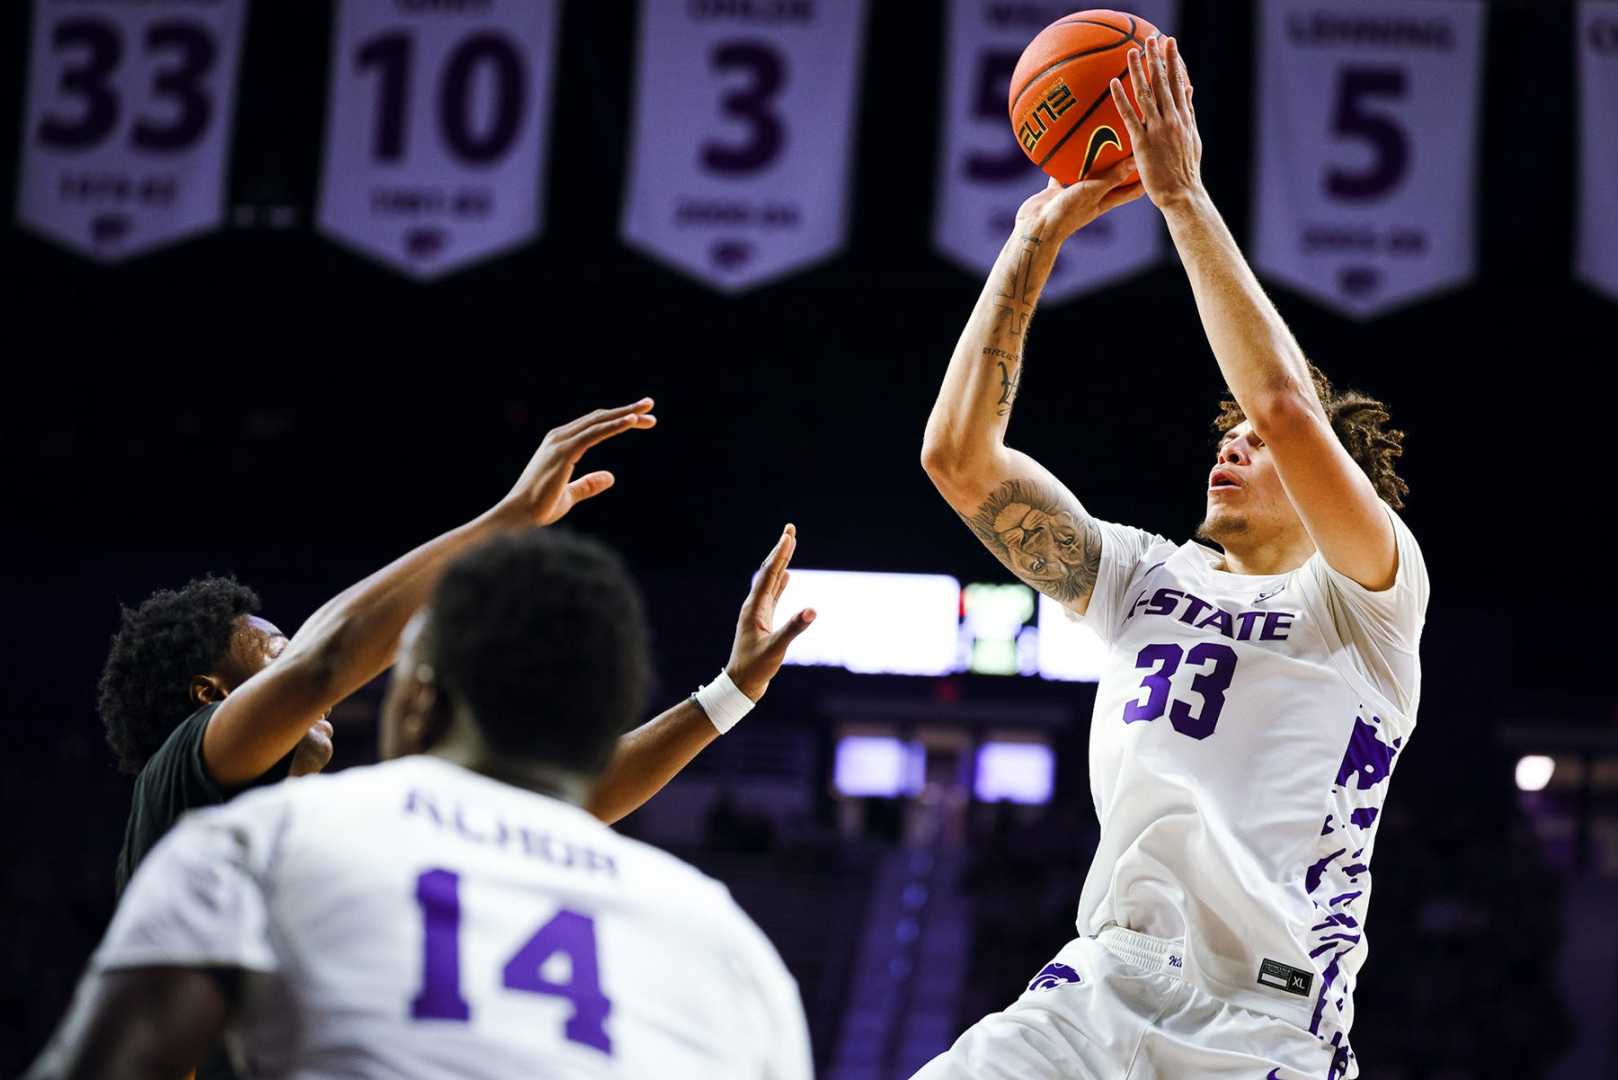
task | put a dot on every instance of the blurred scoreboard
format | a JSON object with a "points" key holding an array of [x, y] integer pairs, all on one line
{"points": [[928, 624]]}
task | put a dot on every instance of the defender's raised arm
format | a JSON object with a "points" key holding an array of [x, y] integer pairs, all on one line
{"points": [[1022, 513]]}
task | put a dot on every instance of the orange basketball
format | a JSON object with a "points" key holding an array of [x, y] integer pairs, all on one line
{"points": [[1061, 110]]}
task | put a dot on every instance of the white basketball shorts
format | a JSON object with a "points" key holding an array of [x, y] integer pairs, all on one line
{"points": [[1113, 1007]]}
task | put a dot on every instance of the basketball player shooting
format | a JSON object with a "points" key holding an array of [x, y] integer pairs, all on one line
{"points": [[1256, 695]]}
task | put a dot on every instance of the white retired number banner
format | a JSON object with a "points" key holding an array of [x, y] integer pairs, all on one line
{"points": [[130, 104], [1598, 145], [435, 137], [984, 175], [744, 119], [1367, 138]]}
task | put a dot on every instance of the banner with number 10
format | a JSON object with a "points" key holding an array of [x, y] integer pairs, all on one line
{"points": [[744, 120], [1367, 141], [435, 136]]}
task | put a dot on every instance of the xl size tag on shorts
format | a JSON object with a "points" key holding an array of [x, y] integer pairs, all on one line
{"points": [[1278, 976]]}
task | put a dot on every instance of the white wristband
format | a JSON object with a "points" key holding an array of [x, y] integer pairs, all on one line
{"points": [[723, 702]]}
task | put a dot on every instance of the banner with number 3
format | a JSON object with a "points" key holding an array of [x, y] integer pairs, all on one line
{"points": [[128, 123], [743, 125], [984, 174], [1367, 148], [435, 139]]}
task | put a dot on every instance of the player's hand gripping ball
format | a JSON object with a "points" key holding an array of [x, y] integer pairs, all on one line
{"points": [[1061, 110]]}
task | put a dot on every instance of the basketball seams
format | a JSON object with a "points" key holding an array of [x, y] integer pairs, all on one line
{"points": [[1065, 60]]}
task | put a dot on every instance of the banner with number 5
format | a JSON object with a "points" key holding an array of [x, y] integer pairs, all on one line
{"points": [[744, 119], [128, 122], [1597, 27], [435, 134], [983, 173], [1367, 144]]}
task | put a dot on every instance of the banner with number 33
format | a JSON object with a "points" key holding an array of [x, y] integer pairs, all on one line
{"points": [[128, 123]]}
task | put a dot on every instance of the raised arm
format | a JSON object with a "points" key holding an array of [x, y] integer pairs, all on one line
{"points": [[1023, 514], [652, 754], [353, 637], [1258, 356]]}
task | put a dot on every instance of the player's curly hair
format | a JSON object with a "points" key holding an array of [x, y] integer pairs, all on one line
{"points": [[174, 634], [541, 636], [1360, 422]]}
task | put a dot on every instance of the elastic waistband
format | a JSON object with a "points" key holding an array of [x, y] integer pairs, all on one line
{"points": [[1143, 950]]}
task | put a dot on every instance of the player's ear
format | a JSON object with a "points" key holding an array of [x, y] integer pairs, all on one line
{"points": [[206, 690], [426, 718]]}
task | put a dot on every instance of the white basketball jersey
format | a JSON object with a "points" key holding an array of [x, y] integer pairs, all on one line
{"points": [[416, 919], [1243, 737]]}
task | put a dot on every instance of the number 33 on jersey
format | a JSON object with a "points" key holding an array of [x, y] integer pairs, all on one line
{"points": [[744, 120]]}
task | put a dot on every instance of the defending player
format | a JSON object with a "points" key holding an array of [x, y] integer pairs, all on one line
{"points": [[1255, 698], [253, 696], [454, 912]]}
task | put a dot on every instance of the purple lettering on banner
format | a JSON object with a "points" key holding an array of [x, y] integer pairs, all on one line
{"points": [[1195, 606], [1338, 899], [1363, 817], [1164, 601], [1247, 618], [1311, 880], [1275, 623], [1368, 759], [1326, 825], [1220, 619]]}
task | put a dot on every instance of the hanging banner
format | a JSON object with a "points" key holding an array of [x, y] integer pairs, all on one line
{"points": [[983, 174], [1367, 148], [1597, 263], [744, 123], [436, 129], [128, 124]]}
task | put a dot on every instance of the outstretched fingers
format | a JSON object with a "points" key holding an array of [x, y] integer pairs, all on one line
{"points": [[1142, 83], [576, 444], [771, 578], [1126, 109], [598, 416], [1179, 81]]}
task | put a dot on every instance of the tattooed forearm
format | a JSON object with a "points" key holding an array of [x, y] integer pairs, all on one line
{"points": [[1043, 536], [1010, 380], [1017, 293]]}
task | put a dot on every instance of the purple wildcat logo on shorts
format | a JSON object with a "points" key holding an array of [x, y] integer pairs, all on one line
{"points": [[1052, 976]]}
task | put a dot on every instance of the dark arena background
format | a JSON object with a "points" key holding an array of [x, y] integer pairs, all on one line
{"points": [[262, 401]]}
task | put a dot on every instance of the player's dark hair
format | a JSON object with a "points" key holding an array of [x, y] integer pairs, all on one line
{"points": [[173, 635], [1360, 422], [541, 636]]}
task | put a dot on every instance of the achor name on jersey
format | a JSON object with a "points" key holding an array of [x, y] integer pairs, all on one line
{"points": [[1199, 613], [483, 828]]}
